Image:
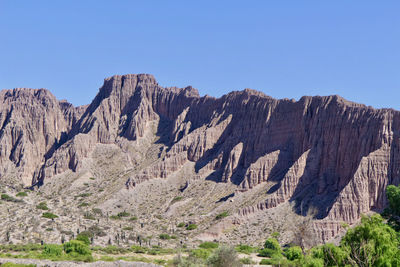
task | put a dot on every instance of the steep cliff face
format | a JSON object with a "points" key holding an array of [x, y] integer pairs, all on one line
{"points": [[33, 123], [321, 153]]}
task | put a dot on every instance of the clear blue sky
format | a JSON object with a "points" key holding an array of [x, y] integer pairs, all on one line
{"points": [[283, 48]]}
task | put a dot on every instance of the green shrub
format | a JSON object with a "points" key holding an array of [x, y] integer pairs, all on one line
{"points": [[245, 249], [200, 253], [127, 228], [294, 253], [191, 226], [76, 248], [89, 216], [269, 253], [273, 244], [42, 206], [222, 215], [8, 198], [123, 214], [120, 215], [84, 237], [176, 199], [22, 194], [138, 249], [133, 218], [49, 215], [83, 204], [165, 236], [224, 256], [181, 224], [52, 250], [209, 245]]}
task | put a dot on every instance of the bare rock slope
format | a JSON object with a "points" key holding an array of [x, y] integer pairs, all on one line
{"points": [[324, 155]]}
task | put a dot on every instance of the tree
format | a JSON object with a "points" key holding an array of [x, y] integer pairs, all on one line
{"points": [[372, 243], [224, 257]]}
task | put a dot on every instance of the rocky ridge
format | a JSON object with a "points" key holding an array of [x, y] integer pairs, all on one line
{"points": [[329, 158]]}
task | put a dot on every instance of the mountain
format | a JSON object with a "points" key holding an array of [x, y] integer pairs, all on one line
{"points": [[170, 155]]}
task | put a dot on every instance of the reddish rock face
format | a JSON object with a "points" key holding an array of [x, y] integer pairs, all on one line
{"points": [[323, 153]]}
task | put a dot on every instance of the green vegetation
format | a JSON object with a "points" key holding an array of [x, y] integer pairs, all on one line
{"points": [[176, 199], [120, 215], [164, 236], [222, 215], [21, 194], [128, 228], [42, 206], [209, 245], [8, 198], [10, 264], [181, 224], [49, 215], [191, 226], [245, 249], [133, 218], [83, 204]]}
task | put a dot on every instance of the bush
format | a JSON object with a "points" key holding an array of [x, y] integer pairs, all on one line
{"points": [[200, 253], [165, 236], [176, 199], [84, 237], [8, 198], [181, 224], [76, 247], [268, 253], [294, 253], [273, 244], [22, 194], [42, 206], [127, 228], [245, 249], [191, 226], [224, 257], [52, 250], [133, 218], [209, 245], [49, 215], [222, 215], [124, 214], [138, 249]]}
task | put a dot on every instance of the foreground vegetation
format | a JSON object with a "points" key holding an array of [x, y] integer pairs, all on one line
{"points": [[375, 242]]}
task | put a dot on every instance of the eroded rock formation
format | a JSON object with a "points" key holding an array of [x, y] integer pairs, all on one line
{"points": [[321, 153]]}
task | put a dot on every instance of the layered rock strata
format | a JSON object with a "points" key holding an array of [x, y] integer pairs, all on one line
{"points": [[328, 156]]}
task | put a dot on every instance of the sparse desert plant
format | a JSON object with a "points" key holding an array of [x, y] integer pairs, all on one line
{"points": [[21, 194], [191, 226], [209, 245], [52, 250], [128, 228], [42, 206], [133, 218], [49, 215], [224, 257], [165, 236], [245, 249], [181, 224], [222, 215]]}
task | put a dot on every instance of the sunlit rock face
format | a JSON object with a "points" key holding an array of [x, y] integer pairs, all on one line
{"points": [[321, 153]]}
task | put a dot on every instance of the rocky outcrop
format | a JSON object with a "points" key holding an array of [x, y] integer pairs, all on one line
{"points": [[321, 153]]}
